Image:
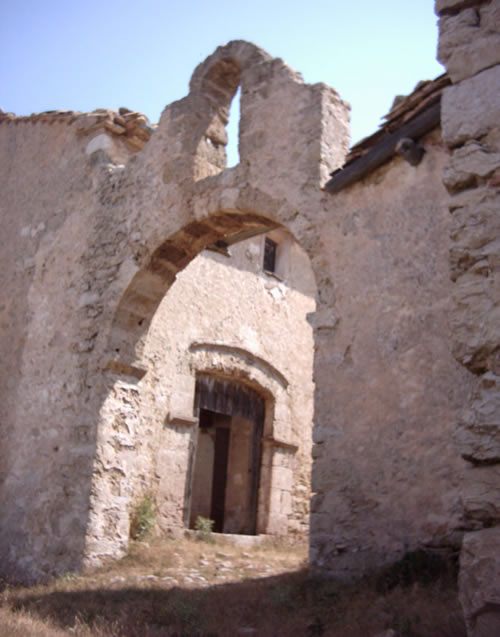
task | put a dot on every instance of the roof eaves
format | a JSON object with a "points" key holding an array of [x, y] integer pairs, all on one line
{"points": [[412, 117]]}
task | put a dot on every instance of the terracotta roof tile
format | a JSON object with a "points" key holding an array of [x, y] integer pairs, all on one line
{"points": [[403, 109], [411, 116]]}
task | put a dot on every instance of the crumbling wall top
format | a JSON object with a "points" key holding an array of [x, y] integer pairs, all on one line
{"points": [[132, 127], [222, 69]]}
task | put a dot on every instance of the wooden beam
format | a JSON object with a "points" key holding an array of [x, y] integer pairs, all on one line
{"points": [[384, 150]]}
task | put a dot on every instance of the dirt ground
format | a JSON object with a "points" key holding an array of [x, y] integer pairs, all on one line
{"points": [[195, 588]]}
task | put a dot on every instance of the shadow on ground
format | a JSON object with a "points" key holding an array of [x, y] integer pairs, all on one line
{"points": [[295, 604]]}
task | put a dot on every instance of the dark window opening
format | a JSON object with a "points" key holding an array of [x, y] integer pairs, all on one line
{"points": [[270, 248]]}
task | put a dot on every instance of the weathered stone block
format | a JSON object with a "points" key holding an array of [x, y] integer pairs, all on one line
{"points": [[474, 232], [465, 46], [449, 5], [479, 582], [471, 198], [478, 433], [490, 16], [469, 162], [484, 326], [455, 30], [475, 318], [471, 108], [481, 495]]}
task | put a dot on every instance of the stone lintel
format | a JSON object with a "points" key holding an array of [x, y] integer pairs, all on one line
{"points": [[281, 444], [125, 369], [180, 419]]}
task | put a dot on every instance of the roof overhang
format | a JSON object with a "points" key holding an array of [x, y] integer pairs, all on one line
{"points": [[418, 114]]}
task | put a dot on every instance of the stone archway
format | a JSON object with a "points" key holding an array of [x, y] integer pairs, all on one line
{"points": [[175, 200], [139, 413], [108, 232], [150, 284]]}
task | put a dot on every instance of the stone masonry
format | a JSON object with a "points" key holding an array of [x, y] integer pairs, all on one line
{"points": [[469, 47], [106, 222], [101, 214], [222, 316]]}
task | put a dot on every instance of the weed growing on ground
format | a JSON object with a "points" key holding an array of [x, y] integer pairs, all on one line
{"points": [[143, 518], [204, 526]]}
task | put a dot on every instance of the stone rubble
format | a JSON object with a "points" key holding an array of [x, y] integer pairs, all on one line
{"points": [[231, 570]]}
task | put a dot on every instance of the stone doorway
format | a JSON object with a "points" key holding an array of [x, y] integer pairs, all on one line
{"points": [[226, 458]]}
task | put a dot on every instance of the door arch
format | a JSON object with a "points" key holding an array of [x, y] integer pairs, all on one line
{"points": [[130, 375]]}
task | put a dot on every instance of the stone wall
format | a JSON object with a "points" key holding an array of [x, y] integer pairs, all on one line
{"points": [[233, 318], [94, 238], [44, 484], [469, 46], [386, 471], [98, 241]]}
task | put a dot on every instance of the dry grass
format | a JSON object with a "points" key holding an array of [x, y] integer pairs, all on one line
{"points": [[262, 591]]}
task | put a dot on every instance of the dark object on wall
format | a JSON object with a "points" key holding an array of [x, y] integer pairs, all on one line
{"points": [[410, 150]]}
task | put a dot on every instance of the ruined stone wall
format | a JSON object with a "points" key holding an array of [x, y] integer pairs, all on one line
{"points": [[386, 471], [79, 313], [50, 170], [45, 198], [107, 238], [469, 46]]}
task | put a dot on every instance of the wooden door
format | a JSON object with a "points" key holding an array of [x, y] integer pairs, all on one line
{"points": [[219, 480]]}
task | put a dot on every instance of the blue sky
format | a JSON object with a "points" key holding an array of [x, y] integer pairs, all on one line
{"points": [[86, 54]]}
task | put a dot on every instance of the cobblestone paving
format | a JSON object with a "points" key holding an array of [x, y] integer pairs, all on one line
{"points": [[214, 566]]}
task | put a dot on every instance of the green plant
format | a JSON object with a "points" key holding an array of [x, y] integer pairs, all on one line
{"points": [[143, 518], [68, 577], [204, 526]]}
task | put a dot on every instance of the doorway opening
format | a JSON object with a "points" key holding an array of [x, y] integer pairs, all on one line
{"points": [[226, 457]]}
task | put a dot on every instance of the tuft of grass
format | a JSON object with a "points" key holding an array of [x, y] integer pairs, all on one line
{"points": [[143, 518], [23, 623], [204, 527]]}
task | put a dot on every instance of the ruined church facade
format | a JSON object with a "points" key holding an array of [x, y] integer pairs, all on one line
{"points": [[121, 379]]}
